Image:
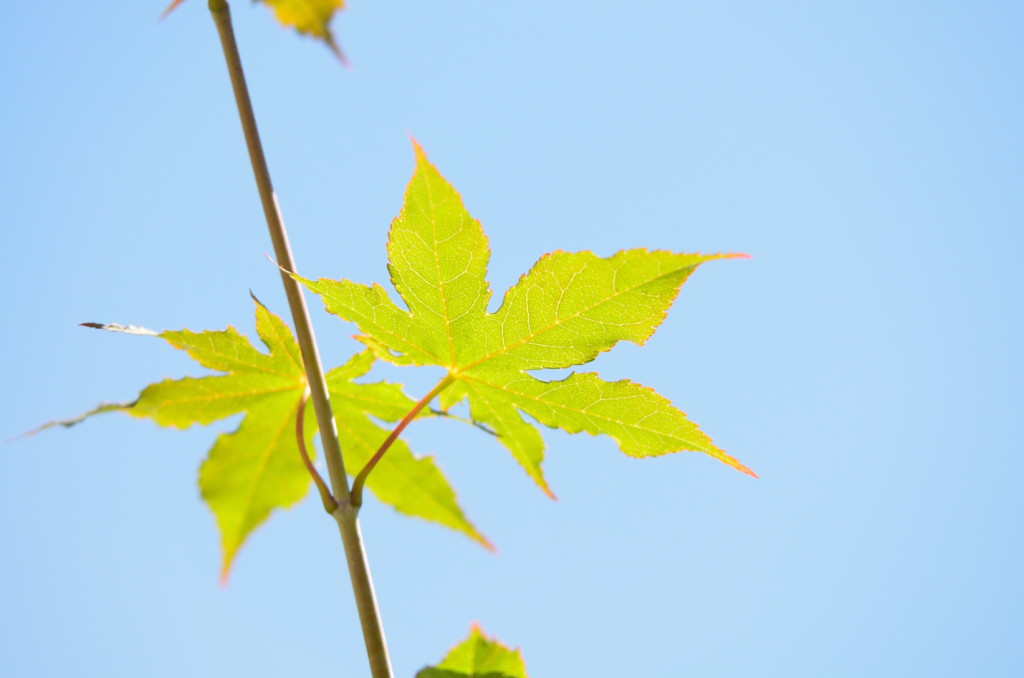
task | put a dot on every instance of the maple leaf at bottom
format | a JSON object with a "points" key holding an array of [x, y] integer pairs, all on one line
{"points": [[478, 657]]}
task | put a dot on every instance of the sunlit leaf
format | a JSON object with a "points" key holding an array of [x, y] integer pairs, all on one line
{"points": [[478, 657], [257, 469], [308, 17], [565, 311]]}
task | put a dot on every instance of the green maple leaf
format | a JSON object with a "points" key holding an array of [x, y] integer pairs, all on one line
{"points": [[258, 468], [478, 657], [569, 308], [307, 17]]}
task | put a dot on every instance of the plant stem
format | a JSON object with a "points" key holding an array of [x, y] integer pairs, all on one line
{"points": [[346, 514], [330, 505], [357, 484]]}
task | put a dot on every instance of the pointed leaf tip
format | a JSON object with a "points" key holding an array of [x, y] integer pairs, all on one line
{"points": [[126, 329], [336, 50], [416, 146], [257, 300], [744, 469], [170, 8], [225, 573], [68, 423]]}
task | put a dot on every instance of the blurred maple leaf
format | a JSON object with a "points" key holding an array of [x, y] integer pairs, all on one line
{"points": [[308, 17]]}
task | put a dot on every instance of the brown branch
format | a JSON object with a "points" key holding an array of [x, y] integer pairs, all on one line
{"points": [[345, 515]]}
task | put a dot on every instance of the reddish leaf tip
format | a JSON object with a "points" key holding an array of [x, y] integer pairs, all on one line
{"points": [[729, 460], [417, 148], [225, 572], [170, 8], [743, 469]]}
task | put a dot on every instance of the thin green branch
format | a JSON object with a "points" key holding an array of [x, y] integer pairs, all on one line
{"points": [[346, 515], [357, 484]]}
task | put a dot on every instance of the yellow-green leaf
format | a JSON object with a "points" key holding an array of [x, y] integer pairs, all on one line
{"points": [[258, 468], [308, 17], [253, 471], [252, 376], [565, 311], [478, 657]]}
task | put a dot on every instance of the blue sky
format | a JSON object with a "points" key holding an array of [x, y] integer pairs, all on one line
{"points": [[866, 362]]}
